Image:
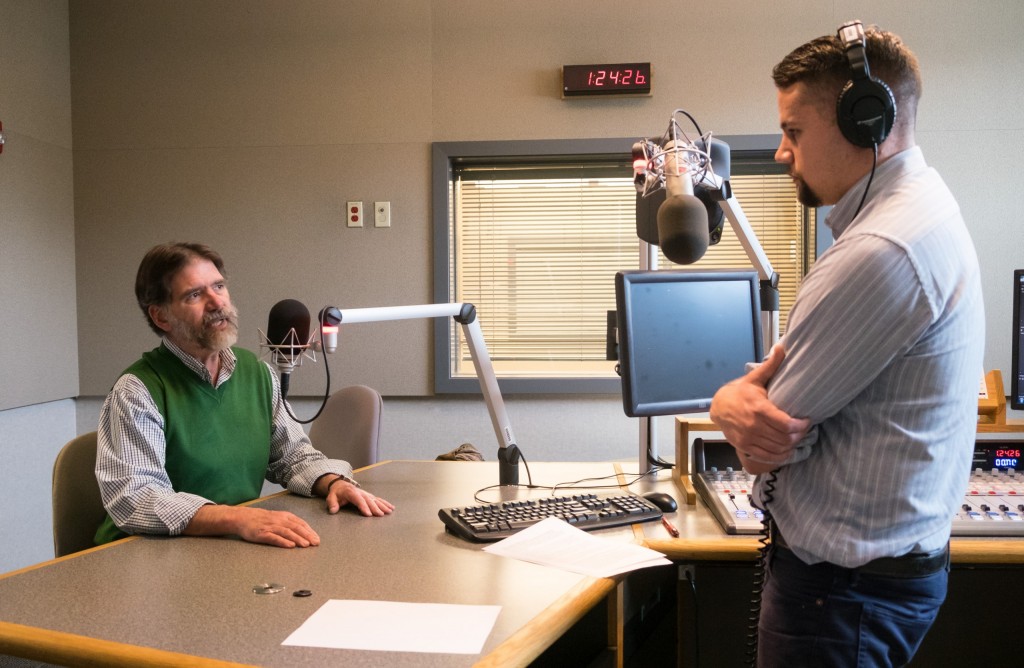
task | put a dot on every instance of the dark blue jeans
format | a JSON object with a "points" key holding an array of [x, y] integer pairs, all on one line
{"points": [[826, 615]]}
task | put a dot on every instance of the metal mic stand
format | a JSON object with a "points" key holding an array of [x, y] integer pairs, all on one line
{"points": [[465, 315]]}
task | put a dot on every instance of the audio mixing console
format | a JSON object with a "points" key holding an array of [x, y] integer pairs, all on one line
{"points": [[725, 486], [993, 504]]}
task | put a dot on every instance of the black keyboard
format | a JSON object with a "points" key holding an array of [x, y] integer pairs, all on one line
{"points": [[494, 521]]}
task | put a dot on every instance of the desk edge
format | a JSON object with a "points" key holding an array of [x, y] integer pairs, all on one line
{"points": [[71, 649]]}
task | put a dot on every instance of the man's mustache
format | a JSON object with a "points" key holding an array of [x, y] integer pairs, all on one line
{"points": [[223, 314]]}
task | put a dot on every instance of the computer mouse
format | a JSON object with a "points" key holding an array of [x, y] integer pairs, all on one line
{"points": [[665, 503]]}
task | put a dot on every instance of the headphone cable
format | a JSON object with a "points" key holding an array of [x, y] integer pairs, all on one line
{"points": [[871, 177]]}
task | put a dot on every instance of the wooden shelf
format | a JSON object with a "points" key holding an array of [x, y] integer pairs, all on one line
{"points": [[1008, 427], [992, 408]]}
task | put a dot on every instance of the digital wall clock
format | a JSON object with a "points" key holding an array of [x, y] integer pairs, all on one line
{"points": [[611, 79]]}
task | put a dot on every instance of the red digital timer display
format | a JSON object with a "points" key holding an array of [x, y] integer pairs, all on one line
{"points": [[1006, 458], [611, 79]]}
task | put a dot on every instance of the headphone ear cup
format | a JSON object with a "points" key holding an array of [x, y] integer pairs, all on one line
{"points": [[866, 111]]}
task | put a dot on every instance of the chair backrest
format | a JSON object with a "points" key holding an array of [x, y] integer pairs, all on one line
{"points": [[349, 426], [77, 506]]}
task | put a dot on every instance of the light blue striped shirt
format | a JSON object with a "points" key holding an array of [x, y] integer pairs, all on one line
{"points": [[884, 351]]}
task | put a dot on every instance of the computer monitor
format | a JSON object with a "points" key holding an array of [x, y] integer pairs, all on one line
{"points": [[682, 335], [1017, 345]]}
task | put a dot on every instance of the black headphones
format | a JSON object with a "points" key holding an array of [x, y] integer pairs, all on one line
{"points": [[866, 108]]}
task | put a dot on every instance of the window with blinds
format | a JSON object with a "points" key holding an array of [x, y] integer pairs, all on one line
{"points": [[535, 245]]}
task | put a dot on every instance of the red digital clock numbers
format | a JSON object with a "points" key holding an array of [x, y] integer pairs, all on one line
{"points": [[1006, 458], [612, 79]]}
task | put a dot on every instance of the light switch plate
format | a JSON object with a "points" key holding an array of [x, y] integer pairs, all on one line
{"points": [[382, 214]]}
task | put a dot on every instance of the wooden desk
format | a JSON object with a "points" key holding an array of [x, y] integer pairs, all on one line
{"points": [[150, 601]]}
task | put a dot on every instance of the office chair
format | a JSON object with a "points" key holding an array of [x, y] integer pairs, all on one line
{"points": [[77, 506], [349, 426]]}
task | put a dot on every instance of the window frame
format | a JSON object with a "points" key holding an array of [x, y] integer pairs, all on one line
{"points": [[444, 155]]}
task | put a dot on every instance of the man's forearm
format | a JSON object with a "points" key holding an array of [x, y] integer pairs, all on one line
{"points": [[214, 520]]}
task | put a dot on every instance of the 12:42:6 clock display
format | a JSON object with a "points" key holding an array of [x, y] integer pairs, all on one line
{"points": [[1007, 458], [611, 79]]}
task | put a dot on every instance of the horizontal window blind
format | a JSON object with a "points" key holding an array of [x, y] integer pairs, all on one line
{"points": [[536, 247]]}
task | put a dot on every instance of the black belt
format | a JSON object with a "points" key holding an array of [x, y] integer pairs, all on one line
{"points": [[912, 565]]}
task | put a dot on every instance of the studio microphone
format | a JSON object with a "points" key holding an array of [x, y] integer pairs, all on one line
{"points": [[682, 218], [287, 337]]}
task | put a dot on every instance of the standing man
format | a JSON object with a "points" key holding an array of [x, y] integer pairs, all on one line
{"points": [[862, 421], [194, 427]]}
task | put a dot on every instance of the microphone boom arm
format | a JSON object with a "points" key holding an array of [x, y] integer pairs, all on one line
{"points": [[465, 315], [721, 191], [769, 279]]}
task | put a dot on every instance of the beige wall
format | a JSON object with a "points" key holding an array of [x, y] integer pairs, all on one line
{"points": [[247, 125], [38, 353]]}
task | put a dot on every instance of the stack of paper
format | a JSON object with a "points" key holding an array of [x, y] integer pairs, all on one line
{"points": [[553, 542]]}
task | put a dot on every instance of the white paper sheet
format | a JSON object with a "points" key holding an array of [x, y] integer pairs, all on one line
{"points": [[554, 542], [397, 627]]}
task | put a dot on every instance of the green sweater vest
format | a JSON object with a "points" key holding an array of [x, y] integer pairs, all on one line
{"points": [[218, 439]]}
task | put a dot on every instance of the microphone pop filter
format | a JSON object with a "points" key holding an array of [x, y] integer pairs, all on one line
{"points": [[285, 316], [683, 229], [647, 215]]}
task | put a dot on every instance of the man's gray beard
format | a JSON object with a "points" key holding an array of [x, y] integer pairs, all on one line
{"points": [[208, 339]]}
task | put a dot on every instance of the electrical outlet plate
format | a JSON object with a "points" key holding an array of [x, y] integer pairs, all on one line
{"points": [[354, 214]]}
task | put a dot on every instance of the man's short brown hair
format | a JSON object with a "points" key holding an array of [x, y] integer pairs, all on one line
{"points": [[821, 64]]}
